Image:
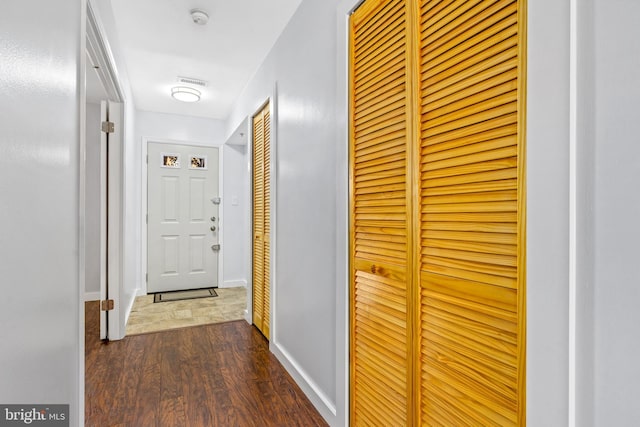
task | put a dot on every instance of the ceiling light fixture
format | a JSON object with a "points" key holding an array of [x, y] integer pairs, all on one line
{"points": [[185, 94]]}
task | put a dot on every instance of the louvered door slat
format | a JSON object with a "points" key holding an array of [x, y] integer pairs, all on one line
{"points": [[381, 119], [381, 40], [374, 168], [486, 152], [373, 76], [473, 133], [372, 17], [495, 16], [470, 255], [380, 46], [470, 72], [430, 9], [378, 154], [378, 87], [380, 394], [491, 40], [474, 16]]}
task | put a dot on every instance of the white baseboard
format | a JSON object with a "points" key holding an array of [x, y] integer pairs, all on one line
{"points": [[320, 400], [233, 283], [92, 296], [141, 292]]}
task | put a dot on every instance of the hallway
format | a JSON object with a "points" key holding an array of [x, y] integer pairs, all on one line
{"points": [[147, 316], [581, 166], [214, 375]]}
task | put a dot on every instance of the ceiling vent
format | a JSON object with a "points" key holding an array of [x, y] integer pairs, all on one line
{"points": [[192, 81]]}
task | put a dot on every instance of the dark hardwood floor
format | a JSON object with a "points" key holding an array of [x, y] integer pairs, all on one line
{"points": [[212, 375]]}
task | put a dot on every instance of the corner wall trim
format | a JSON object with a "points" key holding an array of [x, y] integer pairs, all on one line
{"points": [[317, 397]]}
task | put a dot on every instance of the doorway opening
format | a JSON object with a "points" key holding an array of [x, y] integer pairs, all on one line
{"points": [[102, 181], [183, 230]]}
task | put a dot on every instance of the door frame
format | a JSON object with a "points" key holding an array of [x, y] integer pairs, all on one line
{"points": [[271, 99], [144, 204], [97, 48], [344, 11]]}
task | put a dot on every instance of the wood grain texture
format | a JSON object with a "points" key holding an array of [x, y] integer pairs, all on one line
{"points": [[471, 219], [437, 212], [212, 375], [382, 373]]}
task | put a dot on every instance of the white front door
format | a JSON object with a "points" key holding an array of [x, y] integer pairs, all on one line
{"points": [[183, 217]]}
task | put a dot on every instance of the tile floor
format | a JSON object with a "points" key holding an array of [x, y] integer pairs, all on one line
{"points": [[147, 316]]}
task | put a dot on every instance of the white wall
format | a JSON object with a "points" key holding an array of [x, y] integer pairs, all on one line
{"points": [[40, 311], [304, 328], [92, 202], [131, 215], [236, 219], [202, 131], [179, 128], [617, 174], [547, 213], [583, 219]]}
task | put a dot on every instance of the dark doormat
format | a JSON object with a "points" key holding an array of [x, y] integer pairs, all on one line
{"points": [[182, 295]]}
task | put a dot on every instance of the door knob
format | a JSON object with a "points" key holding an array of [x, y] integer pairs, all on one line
{"points": [[213, 228], [213, 218]]}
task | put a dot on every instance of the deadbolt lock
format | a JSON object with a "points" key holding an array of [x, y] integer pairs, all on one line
{"points": [[213, 218]]}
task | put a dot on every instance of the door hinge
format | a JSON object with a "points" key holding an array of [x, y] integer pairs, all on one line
{"points": [[106, 305], [146, 277], [147, 159], [108, 127], [147, 219]]}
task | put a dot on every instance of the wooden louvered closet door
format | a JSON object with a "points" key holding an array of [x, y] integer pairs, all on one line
{"points": [[437, 213], [471, 206], [261, 219], [380, 372]]}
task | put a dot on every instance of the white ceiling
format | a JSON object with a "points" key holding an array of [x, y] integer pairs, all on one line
{"points": [[160, 42]]}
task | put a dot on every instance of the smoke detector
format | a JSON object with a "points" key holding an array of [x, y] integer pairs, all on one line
{"points": [[199, 16]]}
